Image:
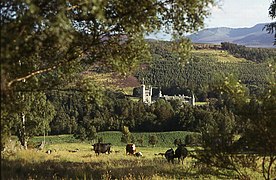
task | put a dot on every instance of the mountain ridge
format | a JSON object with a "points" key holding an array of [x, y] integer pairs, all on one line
{"points": [[254, 36]]}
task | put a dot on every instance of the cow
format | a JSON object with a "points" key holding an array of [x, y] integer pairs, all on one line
{"points": [[181, 153], [169, 155], [138, 154], [102, 148], [130, 149]]}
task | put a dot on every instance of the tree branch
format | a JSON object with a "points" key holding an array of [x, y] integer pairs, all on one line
{"points": [[31, 74]]}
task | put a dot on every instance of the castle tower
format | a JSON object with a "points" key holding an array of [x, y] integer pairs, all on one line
{"points": [[193, 100], [160, 93], [146, 94]]}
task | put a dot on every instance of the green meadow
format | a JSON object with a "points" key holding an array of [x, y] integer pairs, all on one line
{"points": [[165, 139], [73, 159]]}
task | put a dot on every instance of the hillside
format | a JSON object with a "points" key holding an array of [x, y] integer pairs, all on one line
{"points": [[253, 37], [200, 71]]}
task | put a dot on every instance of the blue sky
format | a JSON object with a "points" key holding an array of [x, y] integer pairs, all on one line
{"points": [[233, 14], [239, 13]]}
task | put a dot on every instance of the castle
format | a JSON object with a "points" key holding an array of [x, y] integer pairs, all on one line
{"points": [[148, 98]]}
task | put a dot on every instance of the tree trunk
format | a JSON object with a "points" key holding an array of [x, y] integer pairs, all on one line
{"points": [[22, 133]]}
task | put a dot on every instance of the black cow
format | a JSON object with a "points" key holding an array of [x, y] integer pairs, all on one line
{"points": [[130, 149], [102, 148], [169, 155], [181, 153]]}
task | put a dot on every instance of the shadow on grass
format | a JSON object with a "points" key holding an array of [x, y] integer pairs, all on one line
{"points": [[19, 169], [117, 169]]}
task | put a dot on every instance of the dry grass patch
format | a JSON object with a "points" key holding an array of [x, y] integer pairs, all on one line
{"points": [[220, 55]]}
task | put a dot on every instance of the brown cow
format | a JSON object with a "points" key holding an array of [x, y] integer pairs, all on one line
{"points": [[130, 149]]}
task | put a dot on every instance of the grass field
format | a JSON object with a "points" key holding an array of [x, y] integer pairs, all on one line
{"points": [[73, 159], [220, 55], [85, 164]]}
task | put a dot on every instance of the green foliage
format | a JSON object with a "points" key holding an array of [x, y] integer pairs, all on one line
{"points": [[81, 133], [259, 135], [271, 27], [193, 140], [126, 136], [153, 140], [140, 140], [108, 32], [32, 117], [251, 121], [218, 133], [46, 44], [92, 135], [200, 72]]}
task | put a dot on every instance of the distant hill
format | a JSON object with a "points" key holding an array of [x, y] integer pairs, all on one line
{"points": [[253, 37]]}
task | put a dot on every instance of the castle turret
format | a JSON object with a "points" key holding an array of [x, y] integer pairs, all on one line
{"points": [[146, 94], [193, 100], [160, 93]]}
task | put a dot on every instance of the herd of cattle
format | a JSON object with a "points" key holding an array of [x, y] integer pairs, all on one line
{"points": [[180, 153]]}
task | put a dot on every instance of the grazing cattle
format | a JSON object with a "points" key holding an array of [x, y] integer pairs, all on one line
{"points": [[181, 153], [169, 155], [138, 154], [102, 148], [130, 149]]}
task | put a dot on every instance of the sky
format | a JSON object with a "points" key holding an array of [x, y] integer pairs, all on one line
{"points": [[233, 14], [239, 13]]}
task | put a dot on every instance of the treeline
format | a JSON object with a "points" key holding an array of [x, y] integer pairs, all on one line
{"points": [[258, 55], [77, 116]]}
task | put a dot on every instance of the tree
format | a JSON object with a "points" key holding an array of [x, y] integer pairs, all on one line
{"points": [[33, 117], [153, 140], [92, 134], [126, 136], [271, 28], [248, 127], [140, 140], [260, 135], [164, 112]]}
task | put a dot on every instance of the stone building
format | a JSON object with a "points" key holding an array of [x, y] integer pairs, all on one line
{"points": [[148, 98]]}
